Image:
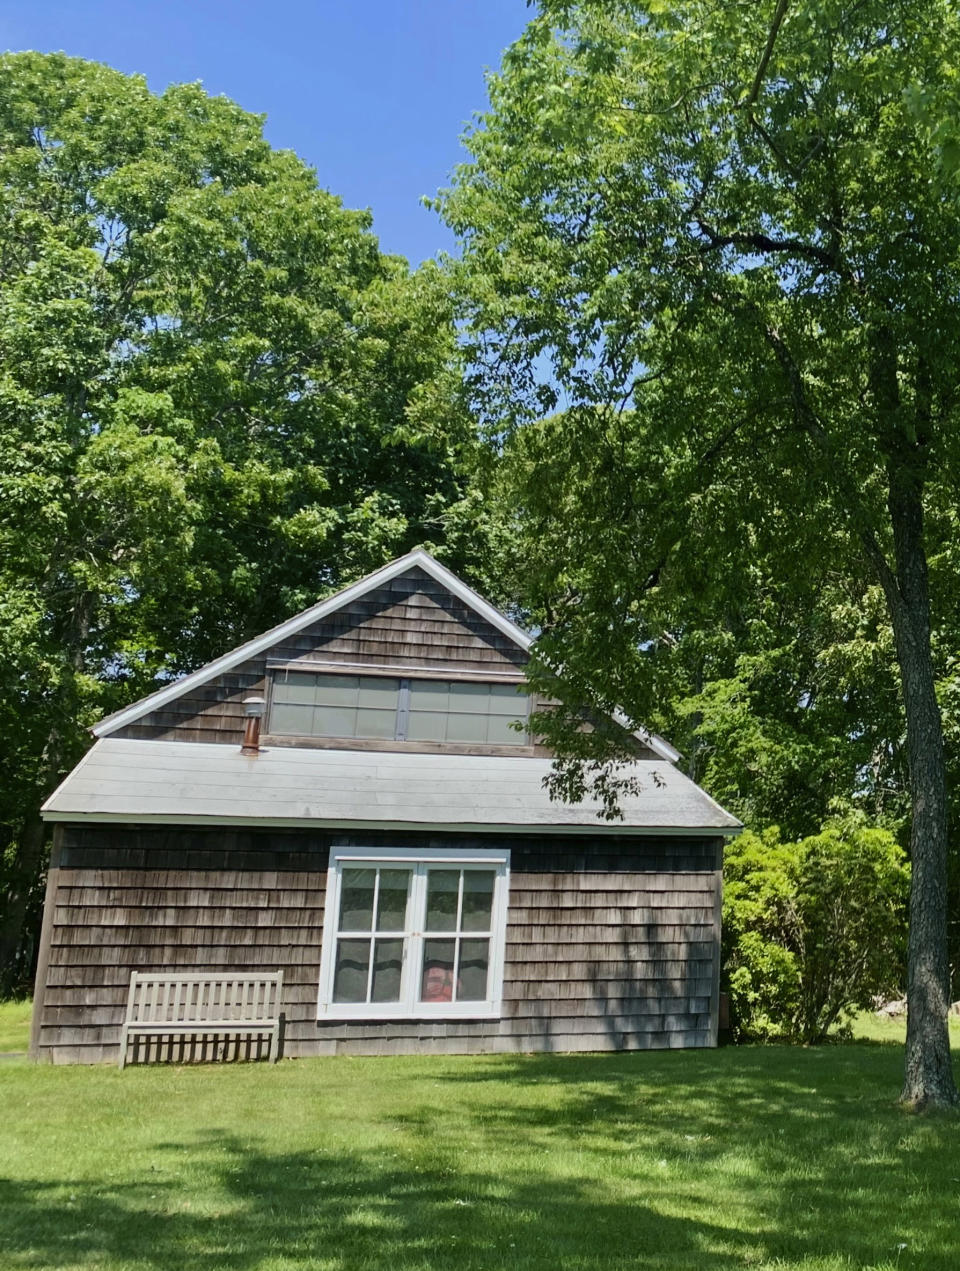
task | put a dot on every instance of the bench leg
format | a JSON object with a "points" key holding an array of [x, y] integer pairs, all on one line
{"points": [[274, 1043], [124, 1037]]}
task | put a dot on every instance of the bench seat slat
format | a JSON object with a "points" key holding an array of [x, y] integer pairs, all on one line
{"points": [[205, 977], [206, 1026]]}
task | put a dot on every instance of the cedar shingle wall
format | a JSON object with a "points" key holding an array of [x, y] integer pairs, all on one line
{"points": [[611, 943], [411, 621]]}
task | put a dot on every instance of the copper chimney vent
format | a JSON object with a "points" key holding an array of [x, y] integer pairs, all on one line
{"points": [[253, 713]]}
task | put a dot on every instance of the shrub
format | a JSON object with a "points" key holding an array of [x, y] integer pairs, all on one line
{"points": [[812, 930]]}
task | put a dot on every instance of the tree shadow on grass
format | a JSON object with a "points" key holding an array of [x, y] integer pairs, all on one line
{"points": [[767, 1157], [821, 1157], [347, 1212]]}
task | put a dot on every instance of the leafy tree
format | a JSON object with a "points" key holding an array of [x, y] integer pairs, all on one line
{"points": [[732, 239], [781, 692], [812, 930], [218, 400]]}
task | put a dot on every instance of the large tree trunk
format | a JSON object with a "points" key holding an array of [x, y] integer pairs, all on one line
{"points": [[928, 1080]]}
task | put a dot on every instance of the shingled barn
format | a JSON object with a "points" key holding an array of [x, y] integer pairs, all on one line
{"points": [[350, 800]]}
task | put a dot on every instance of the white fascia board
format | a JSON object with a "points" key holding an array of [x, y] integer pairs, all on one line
{"points": [[659, 745], [452, 827], [296, 624]]}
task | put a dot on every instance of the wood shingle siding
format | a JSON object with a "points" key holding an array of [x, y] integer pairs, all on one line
{"points": [[410, 621], [612, 941]]}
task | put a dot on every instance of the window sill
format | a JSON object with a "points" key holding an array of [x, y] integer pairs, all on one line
{"points": [[442, 1012], [288, 740]]}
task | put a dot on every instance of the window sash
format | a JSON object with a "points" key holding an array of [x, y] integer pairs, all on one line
{"points": [[321, 704], [416, 935]]}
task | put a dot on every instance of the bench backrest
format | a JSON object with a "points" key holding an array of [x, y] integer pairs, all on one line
{"points": [[191, 999]]}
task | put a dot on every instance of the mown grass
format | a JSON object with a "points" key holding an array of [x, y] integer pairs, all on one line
{"points": [[14, 1025], [877, 1028], [743, 1157]]}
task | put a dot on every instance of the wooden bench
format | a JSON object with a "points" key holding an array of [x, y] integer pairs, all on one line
{"points": [[191, 1005]]}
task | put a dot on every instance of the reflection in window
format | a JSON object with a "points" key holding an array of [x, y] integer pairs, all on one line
{"points": [[458, 901], [306, 704]]}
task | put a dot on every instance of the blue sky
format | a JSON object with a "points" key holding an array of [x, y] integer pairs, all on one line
{"points": [[373, 94]]}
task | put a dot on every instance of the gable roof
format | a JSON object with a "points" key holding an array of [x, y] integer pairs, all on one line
{"points": [[252, 648]]}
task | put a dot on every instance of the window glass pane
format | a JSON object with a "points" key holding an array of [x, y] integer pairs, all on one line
{"points": [[473, 971], [337, 690], [443, 887], [466, 728], [381, 694], [429, 695], [350, 972], [477, 899], [436, 984], [470, 697], [427, 726], [508, 699], [387, 969], [392, 901], [334, 721], [376, 723], [356, 899], [299, 688], [500, 733], [294, 720]]}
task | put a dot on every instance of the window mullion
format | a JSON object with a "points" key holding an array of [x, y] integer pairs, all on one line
{"points": [[373, 933], [418, 902], [403, 711]]}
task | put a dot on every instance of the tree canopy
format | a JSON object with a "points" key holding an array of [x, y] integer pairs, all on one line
{"points": [[218, 401], [723, 244]]}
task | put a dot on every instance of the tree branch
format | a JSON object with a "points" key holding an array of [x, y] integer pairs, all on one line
{"points": [[766, 245], [779, 14], [814, 428]]}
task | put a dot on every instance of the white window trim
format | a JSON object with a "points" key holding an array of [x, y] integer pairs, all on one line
{"points": [[408, 1007]]}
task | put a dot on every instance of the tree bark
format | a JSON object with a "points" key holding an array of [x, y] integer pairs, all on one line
{"points": [[928, 1077]]}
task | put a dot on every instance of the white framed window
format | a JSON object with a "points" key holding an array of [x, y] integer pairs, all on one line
{"points": [[414, 934], [321, 704]]}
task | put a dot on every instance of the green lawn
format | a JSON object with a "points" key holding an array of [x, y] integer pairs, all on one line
{"points": [[14, 1025], [744, 1157]]}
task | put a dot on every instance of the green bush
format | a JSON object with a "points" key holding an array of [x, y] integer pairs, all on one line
{"points": [[812, 930]]}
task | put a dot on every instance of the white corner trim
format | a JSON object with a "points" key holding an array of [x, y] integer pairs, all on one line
{"points": [[292, 626]]}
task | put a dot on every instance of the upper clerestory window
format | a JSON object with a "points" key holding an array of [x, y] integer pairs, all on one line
{"points": [[308, 704]]}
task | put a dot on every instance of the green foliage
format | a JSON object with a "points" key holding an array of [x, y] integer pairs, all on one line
{"points": [[218, 401], [724, 243], [812, 930], [781, 691]]}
